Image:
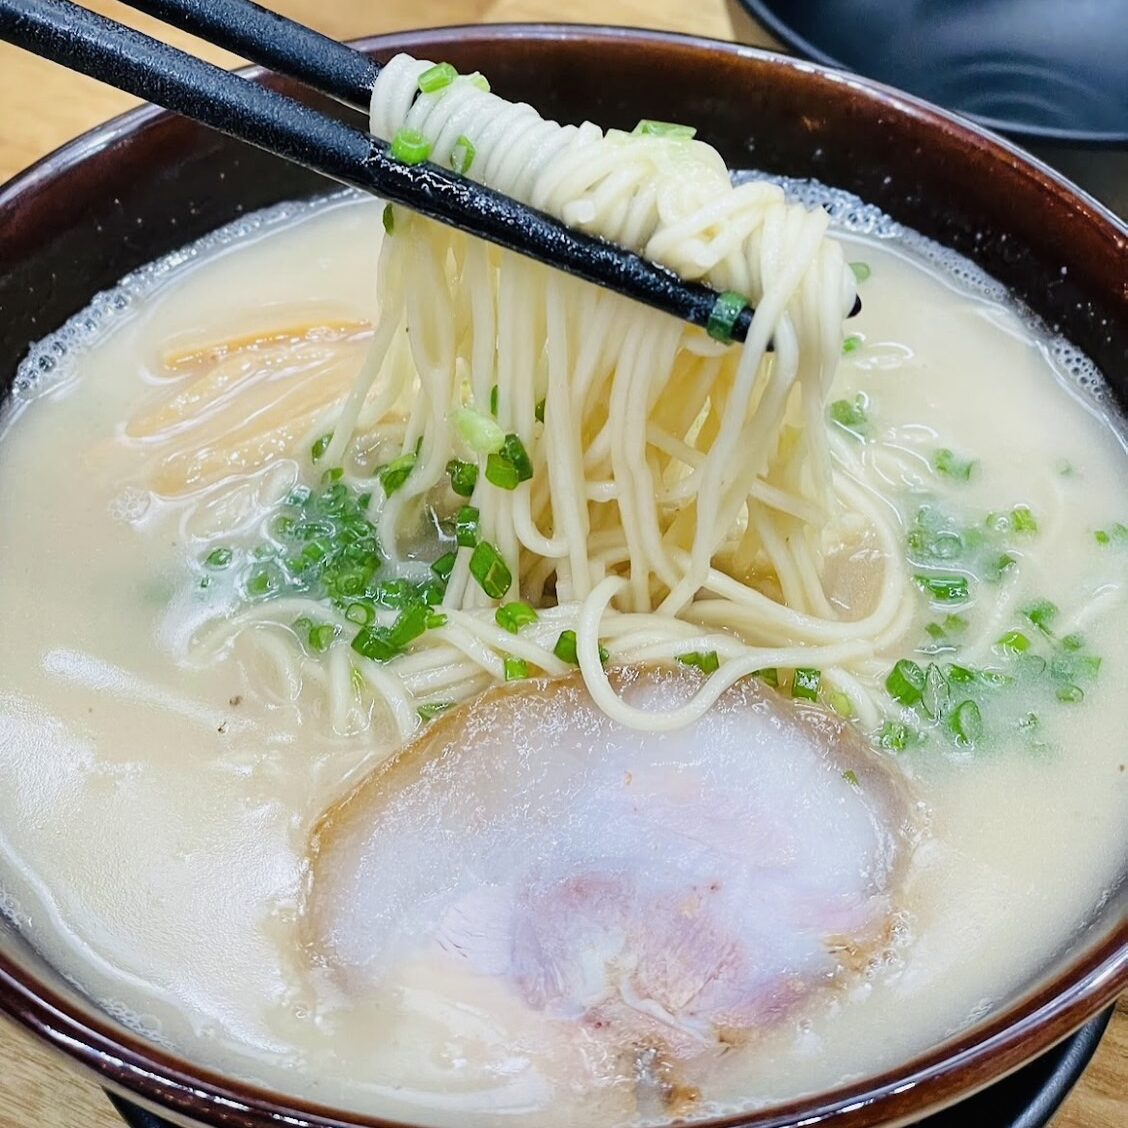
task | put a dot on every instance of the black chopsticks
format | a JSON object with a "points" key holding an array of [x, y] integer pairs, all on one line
{"points": [[113, 53], [274, 41]]}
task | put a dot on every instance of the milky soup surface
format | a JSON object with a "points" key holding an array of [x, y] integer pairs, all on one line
{"points": [[156, 810]]}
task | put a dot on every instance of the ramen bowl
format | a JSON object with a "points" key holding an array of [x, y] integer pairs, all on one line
{"points": [[149, 182]]}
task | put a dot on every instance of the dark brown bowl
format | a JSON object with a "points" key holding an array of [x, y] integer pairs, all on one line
{"points": [[149, 182]]}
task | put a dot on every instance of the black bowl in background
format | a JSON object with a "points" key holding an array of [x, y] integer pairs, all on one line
{"points": [[1050, 74]]}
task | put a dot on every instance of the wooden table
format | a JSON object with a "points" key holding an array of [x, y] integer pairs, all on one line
{"points": [[41, 106]]}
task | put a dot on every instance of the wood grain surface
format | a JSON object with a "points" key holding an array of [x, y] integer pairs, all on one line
{"points": [[41, 107]]}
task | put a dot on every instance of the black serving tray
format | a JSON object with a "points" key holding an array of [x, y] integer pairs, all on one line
{"points": [[1026, 1099]]}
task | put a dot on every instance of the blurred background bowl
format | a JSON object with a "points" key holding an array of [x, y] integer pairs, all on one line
{"points": [[1050, 74]]}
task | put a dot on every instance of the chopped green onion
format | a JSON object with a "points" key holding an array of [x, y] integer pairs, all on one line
{"points": [[538, 411], [463, 476], [895, 736], [410, 147], [937, 694], [480, 433], [966, 723], [905, 682], [513, 616], [851, 777], [438, 77], [998, 567], [393, 476], [219, 558], [805, 684], [409, 625], [725, 312], [1070, 694], [851, 416], [466, 526], [510, 466], [947, 463], [840, 703], [1041, 614], [1023, 521], [444, 566], [861, 270], [669, 129], [1075, 667], [1072, 642], [769, 676], [943, 589], [480, 81], [462, 155], [488, 567], [374, 643], [389, 219], [316, 451], [321, 637], [1118, 534], [360, 613], [704, 660], [954, 624], [431, 710], [1014, 642], [515, 668], [565, 648], [851, 344], [435, 619], [263, 582]]}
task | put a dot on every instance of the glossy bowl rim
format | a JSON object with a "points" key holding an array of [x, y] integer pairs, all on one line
{"points": [[926, 1083], [767, 13]]}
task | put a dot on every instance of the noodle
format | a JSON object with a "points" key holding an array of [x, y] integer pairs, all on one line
{"points": [[683, 494]]}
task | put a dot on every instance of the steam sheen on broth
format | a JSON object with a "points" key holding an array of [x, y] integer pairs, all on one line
{"points": [[159, 794]]}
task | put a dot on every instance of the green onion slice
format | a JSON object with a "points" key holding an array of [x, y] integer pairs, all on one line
{"points": [[320, 447], [462, 155], [438, 77], [219, 558], [966, 723], [905, 682], [479, 432], [805, 684], [704, 660], [565, 648], [466, 526], [515, 668], [444, 566], [463, 476], [488, 567], [393, 476], [944, 589], [513, 616], [723, 317], [647, 127], [389, 219], [410, 147], [433, 709]]}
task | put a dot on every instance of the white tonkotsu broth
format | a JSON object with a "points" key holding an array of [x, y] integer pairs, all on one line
{"points": [[160, 779]]}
